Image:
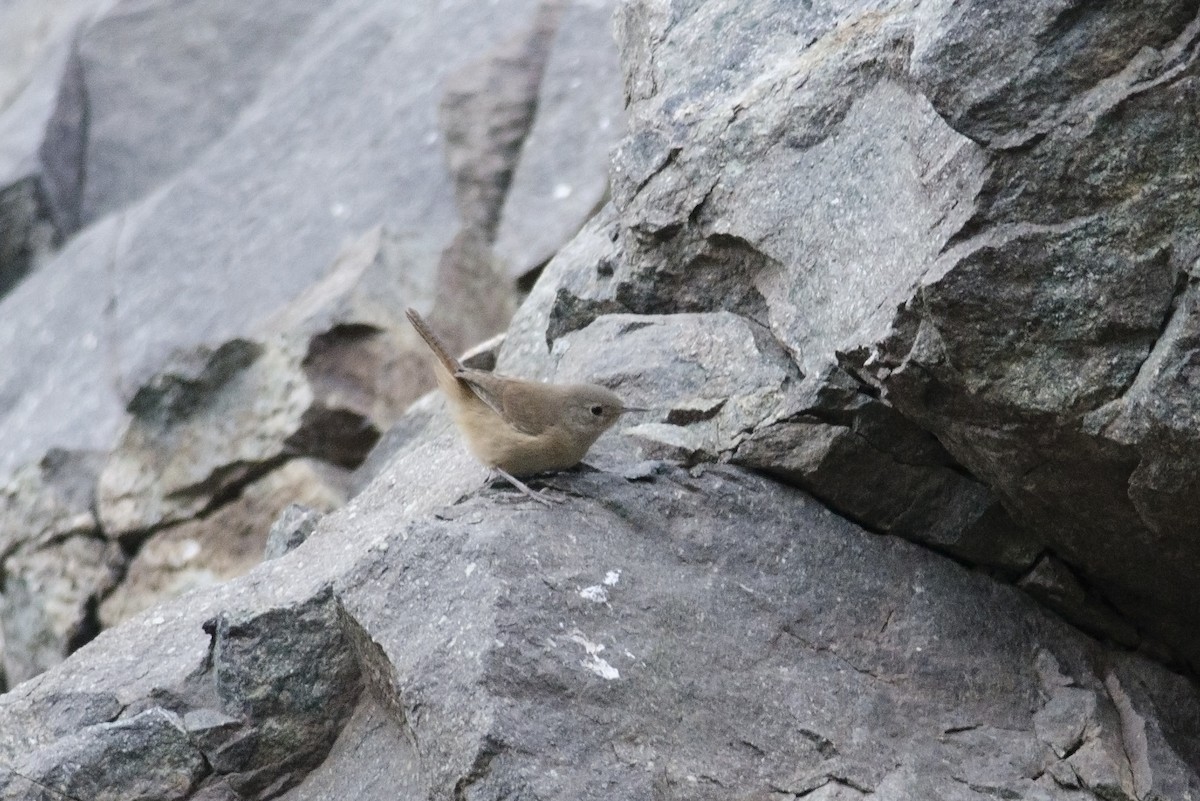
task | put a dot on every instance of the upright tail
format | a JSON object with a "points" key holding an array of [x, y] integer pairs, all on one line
{"points": [[431, 339]]}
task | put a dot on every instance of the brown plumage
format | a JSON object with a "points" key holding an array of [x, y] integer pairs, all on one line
{"points": [[520, 427]]}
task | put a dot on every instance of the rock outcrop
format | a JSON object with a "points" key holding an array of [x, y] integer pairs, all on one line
{"points": [[908, 288]]}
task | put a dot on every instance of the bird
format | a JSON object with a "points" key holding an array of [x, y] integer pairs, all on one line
{"points": [[517, 427]]}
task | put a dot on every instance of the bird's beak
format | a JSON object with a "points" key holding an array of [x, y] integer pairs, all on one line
{"points": [[635, 409]]}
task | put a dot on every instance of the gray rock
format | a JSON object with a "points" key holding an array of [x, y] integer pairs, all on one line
{"points": [[221, 545], [332, 145], [284, 135], [154, 111], [562, 176], [55, 563], [29, 29], [234, 700], [968, 251], [28, 232], [45, 114], [325, 375], [51, 594], [50, 500], [1047, 307], [486, 114], [805, 655], [291, 528], [42, 137], [60, 387], [882, 251], [148, 755]]}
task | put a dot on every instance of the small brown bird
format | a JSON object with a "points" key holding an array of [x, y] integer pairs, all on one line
{"points": [[518, 427]]}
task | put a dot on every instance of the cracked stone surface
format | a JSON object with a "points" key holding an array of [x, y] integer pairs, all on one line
{"points": [[294, 354], [909, 291], [55, 563], [804, 656], [220, 186], [991, 312]]}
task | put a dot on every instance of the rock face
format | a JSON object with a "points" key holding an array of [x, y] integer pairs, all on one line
{"points": [[57, 563], [992, 312], [909, 292], [231, 181], [678, 635], [287, 358]]}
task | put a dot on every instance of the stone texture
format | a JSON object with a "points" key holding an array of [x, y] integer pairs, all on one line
{"points": [[562, 175], [326, 374], [41, 160], [61, 385], [165, 81], [55, 563], [933, 263], [1050, 302], [486, 114], [974, 282], [29, 29], [239, 700], [220, 546], [51, 592], [291, 528], [727, 390], [43, 110], [805, 655], [182, 264]]}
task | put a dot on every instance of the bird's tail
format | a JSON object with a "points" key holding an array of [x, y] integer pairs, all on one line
{"points": [[431, 339]]}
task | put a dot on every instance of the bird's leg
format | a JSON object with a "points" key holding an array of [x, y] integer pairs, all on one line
{"points": [[537, 496]]}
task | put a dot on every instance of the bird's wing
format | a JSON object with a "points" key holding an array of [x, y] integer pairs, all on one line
{"points": [[529, 413]]}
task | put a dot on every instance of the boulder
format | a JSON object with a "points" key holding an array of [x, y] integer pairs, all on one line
{"points": [[227, 543], [55, 562], [42, 137], [907, 290], [562, 175], [976, 300], [323, 378], [178, 265], [804, 656]]}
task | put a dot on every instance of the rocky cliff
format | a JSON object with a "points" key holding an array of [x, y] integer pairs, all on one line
{"points": [[911, 289]]}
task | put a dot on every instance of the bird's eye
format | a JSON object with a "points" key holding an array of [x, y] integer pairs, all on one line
{"points": [[597, 410]]}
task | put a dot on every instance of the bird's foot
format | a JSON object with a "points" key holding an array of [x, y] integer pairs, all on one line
{"points": [[540, 497]]}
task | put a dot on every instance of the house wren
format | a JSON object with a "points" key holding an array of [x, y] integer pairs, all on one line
{"points": [[519, 427]]}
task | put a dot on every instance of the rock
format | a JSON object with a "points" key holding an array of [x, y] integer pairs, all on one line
{"points": [[41, 178], [42, 130], [273, 136], [725, 390], [154, 113], [29, 29], [59, 388], [528, 632], [51, 593], [1052, 583], [933, 262], [289, 531], [55, 562], [969, 255], [331, 145], [562, 175], [50, 500], [486, 114], [249, 703], [1046, 308], [212, 424], [145, 756], [222, 545], [326, 374]]}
